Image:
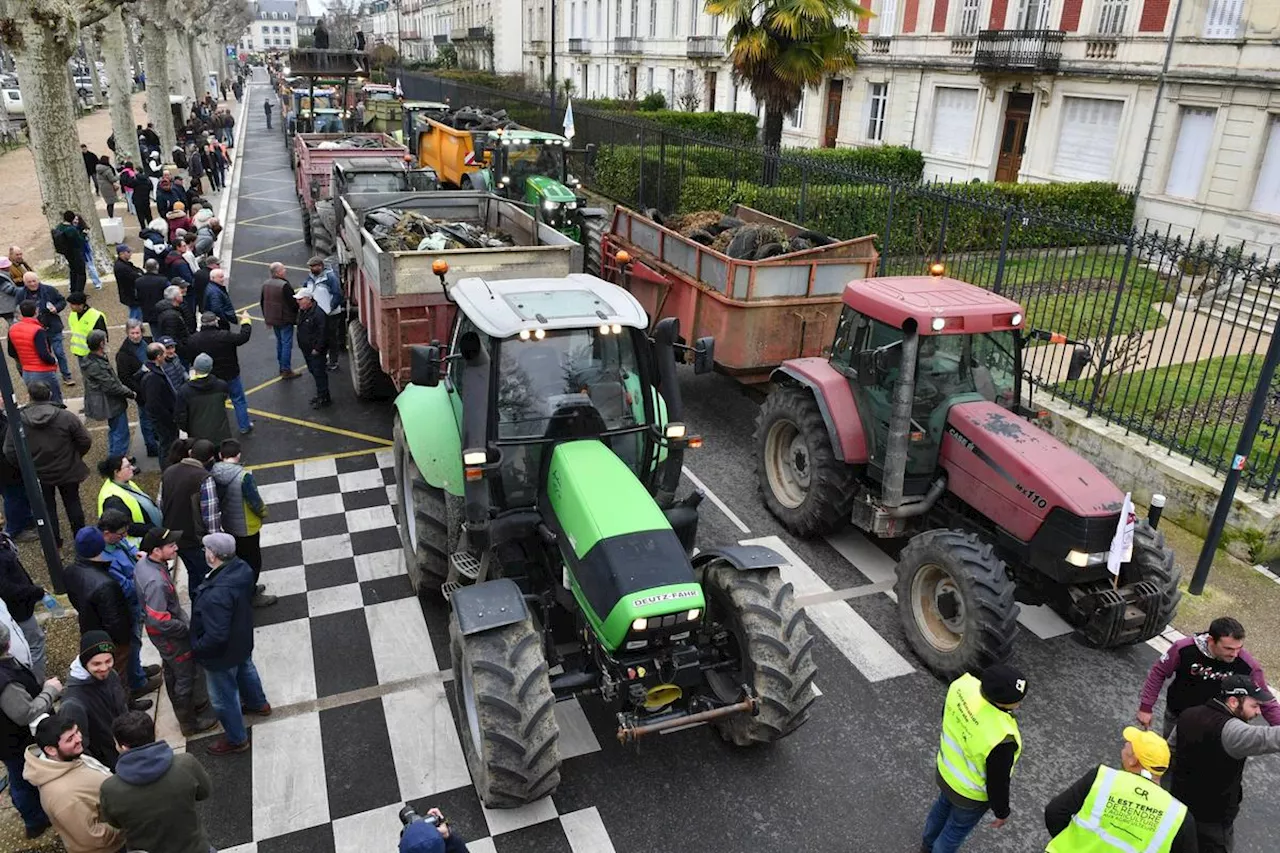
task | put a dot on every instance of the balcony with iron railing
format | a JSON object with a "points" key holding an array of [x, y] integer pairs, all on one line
{"points": [[627, 45], [579, 46], [704, 47], [1018, 50]]}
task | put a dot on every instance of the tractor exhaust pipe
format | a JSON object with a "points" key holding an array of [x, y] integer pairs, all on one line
{"points": [[665, 334], [895, 451]]}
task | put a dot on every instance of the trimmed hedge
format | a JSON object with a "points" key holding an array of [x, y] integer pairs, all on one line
{"points": [[820, 165], [731, 127], [617, 175]]}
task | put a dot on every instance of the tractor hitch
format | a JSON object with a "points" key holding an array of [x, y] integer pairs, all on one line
{"points": [[629, 732]]}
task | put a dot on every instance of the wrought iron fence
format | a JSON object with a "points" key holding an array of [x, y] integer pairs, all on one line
{"points": [[1176, 325]]}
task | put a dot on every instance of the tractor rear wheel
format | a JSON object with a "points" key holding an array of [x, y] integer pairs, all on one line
{"points": [[593, 228], [367, 377], [506, 712], [306, 226], [955, 599], [322, 235], [804, 485], [428, 531], [775, 647]]}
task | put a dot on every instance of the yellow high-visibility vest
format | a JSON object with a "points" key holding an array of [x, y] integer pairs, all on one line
{"points": [[1124, 813], [971, 728], [81, 325]]}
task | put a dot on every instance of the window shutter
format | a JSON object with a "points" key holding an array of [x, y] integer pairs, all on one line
{"points": [[954, 111], [1087, 139]]}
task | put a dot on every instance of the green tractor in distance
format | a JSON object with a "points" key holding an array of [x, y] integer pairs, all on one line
{"points": [[537, 459], [531, 166]]}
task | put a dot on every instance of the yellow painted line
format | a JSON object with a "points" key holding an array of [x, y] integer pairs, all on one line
{"points": [[270, 249], [271, 381], [344, 455], [372, 439]]}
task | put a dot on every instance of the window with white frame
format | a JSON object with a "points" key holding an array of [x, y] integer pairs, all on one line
{"points": [[1222, 19], [954, 113], [1087, 138], [1266, 190], [1033, 14], [693, 17], [1111, 17], [888, 16], [635, 18], [617, 17], [877, 106], [675, 17], [653, 19], [1191, 151], [795, 120], [599, 33]]}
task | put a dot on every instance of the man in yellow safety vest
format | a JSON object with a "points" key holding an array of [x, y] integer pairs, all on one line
{"points": [[82, 321], [1118, 811], [979, 747]]}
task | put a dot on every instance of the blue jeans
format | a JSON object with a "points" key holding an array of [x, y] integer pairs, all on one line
{"points": [[148, 428], [17, 510], [231, 688], [26, 797], [48, 377], [135, 312], [137, 675], [948, 825], [59, 353], [92, 267], [284, 346], [118, 434], [235, 390]]}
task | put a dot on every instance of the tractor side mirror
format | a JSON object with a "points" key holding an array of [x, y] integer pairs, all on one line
{"points": [[1080, 357], [424, 365], [704, 354]]}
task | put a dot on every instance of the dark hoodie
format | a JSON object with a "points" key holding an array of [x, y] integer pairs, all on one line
{"points": [[94, 705], [57, 441], [153, 797]]}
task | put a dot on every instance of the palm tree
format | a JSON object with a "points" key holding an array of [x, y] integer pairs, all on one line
{"points": [[781, 47]]}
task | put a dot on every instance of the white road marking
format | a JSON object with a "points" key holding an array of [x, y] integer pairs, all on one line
{"points": [[1043, 621], [585, 831], [874, 657], [715, 499]]}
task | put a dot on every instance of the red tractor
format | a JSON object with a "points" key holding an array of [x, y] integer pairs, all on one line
{"points": [[914, 427]]}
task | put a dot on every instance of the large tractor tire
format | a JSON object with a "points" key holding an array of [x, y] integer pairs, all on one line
{"points": [[955, 599], [804, 485], [322, 232], [428, 531], [306, 226], [593, 228], [367, 377], [1106, 617], [506, 712], [772, 637]]}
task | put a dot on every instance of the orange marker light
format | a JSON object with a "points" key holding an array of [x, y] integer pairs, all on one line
{"points": [[439, 266], [695, 441], [937, 270], [623, 257]]}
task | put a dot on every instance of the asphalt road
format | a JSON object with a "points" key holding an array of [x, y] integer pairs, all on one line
{"points": [[859, 775]]}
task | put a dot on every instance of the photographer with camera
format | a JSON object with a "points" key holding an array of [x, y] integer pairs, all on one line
{"points": [[427, 833]]}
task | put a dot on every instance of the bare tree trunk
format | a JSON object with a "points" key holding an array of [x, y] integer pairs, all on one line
{"points": [[199, 76], [180, 62], [132, 56], [92, 71], [155, 46], [119, 86], [41, 52]]}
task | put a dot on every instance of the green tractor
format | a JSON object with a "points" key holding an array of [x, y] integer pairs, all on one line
{"points": [[531, 166], [537, 459]]}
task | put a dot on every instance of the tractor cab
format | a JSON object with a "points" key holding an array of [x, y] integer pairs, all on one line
{"points": [[379, 175], [413, 119], [530, 165]]}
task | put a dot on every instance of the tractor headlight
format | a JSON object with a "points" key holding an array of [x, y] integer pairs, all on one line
{"points": [[938, 324], [1015, 320], [550, 205], [573, 205], [640, 624], [693, 615], [675, 430], [475, 457], [1082, 560], [506, 179]]}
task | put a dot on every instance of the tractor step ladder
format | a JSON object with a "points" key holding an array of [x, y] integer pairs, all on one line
{"points": [[464, 564]]}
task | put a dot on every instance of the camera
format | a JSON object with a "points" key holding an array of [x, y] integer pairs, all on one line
{"points": [[409, 815]]}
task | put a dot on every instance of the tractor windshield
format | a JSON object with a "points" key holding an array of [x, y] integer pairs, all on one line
{"points": [[529, 159], [963, 364], [377, 182]]}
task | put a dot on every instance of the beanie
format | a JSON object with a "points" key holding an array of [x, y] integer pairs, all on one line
{"points": [[94, 643]]}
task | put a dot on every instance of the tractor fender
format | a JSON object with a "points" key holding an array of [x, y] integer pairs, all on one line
{"points": [[741, 557], [835, 401], [431, 431], [485, 606]]}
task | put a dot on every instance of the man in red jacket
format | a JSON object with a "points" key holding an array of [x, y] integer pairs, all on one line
{"points": [[29, 344]]}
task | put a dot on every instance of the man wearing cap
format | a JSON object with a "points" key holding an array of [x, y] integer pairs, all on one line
{"points": [[169, 628], [1197, 665], [126, 279], [1213, 741], [1109, 809], [423, 837], [222, 637], [327, 292], [70, 782], [280, 312], [314, 343], [189, 501], [95, 695], [221, 347], [202, 403], [31, 344], [10, 292], [979, 747], [23, 700]]}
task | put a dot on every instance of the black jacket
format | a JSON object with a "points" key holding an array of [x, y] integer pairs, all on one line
{"points": [[128, 364], [16, 588], [221, 347], [94, 705], [1059, 811], [170, 323], [99, 600], [58, 442], [200, 285], [158, 396], [44, 294], [202, 409], [126, 277], [222, 617], [148, 289], [311, 331]]}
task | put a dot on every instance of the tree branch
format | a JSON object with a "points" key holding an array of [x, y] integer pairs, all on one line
{"points": [[93, 11]]}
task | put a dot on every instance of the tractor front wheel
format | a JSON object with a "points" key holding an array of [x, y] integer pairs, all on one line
{"points": [[955, 599], [804, 485], [428, 531], [506, 711], [774, 647]]}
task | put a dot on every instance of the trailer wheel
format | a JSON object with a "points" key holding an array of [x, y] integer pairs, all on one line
{"points": [[306, 226], [322, 235], [955, 599], [592, 235], [429, 532], [367, 376]]}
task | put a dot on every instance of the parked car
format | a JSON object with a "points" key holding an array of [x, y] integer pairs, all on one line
{"points": [[12, 102]]}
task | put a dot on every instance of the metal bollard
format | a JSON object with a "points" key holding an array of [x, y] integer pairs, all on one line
{"points": [[1157, 509]]}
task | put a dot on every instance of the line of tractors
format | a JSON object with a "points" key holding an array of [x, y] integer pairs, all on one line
{"points": [[540, 437]]}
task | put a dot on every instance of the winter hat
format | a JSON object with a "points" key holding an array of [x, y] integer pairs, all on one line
{"points": [[203, 364], [121, 247], [180, 206], [94, 643], [89, 543], [1003, 685], [5, 263], [221, 544]]}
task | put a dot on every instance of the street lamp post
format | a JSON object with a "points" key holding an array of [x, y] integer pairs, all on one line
{"points": [[553, 63]]}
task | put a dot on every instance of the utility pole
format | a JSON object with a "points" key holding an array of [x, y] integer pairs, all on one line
{"points": [[553, 63], [30, 480]]}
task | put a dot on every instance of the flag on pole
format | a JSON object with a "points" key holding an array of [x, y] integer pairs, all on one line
{"points": [[1122, 542], [568, 120], [399, 91]]}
